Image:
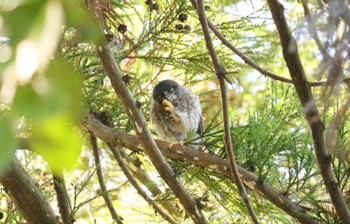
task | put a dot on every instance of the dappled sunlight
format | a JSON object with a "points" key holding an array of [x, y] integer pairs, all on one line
{"points": [[27, 61]]}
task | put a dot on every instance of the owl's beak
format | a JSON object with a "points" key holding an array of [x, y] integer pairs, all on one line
{"points": [[169, 96]]}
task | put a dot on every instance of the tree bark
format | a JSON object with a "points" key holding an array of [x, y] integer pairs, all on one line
{"points": [[27, 196], [62, 199]]}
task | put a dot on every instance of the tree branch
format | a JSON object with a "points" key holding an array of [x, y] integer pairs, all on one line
{"points": [[105, 195], [250, 62], [200, 159], [296, 70], [134, 183], [227, 129], [312, 28], [27, 196], [135, 167], [62, 199], [115, 75]]}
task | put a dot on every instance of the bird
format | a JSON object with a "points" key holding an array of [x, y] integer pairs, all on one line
{"points": [[176, 113]]}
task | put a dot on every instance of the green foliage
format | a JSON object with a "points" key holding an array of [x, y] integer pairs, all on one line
{"points": [[271, 138], [55, 139], [43, 94]]}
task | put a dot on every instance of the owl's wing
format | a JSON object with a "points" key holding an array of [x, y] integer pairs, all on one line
{"points": [[200, 126]]}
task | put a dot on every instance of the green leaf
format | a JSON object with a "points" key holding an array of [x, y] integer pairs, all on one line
{"points": [[59, 92], [57, 141], [66, 88], [20, 21], [8, 143], [30, 104]]}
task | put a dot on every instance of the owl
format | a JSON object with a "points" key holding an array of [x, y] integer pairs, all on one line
{"points": [[175, 113]]}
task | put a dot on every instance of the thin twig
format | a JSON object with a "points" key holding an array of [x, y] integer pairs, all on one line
{"points": [[313, 117], [101, 181], [203, 160], [63, 202], [250, 62], [143, 132], [312, 28], [331, 136], [227, 131], [135, 167], [134, 183]]}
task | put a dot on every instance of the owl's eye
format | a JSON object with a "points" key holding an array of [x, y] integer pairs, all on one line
{"points": [[172, 89]]}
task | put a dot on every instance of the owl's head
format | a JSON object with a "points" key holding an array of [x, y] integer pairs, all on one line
{"points": [[166, 89]]}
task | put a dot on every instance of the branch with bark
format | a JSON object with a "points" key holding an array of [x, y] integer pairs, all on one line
{"points": [[296, 70], [62, 199], [199, 159], [101, 181], [27, 196]]}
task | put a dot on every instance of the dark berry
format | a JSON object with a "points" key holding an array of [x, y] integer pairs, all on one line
{"points": [[207, 7], [148, 2], [183, 17], [187, 27], [138, 104], [155, 6], [126, 79], [109, 37], [122, 28], [179, 26], [1, 215], [252, 168], [104, 118]]}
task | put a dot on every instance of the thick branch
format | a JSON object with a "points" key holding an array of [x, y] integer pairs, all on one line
{"points": [[134, 183], [62, 199], [296, 70], [227, 131], [199, 159], [115, 75], [105, 195], [27, 196]]}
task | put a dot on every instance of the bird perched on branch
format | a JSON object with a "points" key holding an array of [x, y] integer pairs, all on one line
{"points": [[176, 113]]}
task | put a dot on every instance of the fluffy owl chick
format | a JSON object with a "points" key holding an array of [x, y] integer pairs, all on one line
{"points": [[175, 112]]}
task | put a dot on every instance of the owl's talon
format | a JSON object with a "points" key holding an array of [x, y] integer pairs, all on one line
{"points": [[168, 105], [181, 143], [176, 118]]}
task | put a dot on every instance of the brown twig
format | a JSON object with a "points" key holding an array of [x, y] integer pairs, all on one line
{"points": [[332, 131], [313, 117], [228, 142], [134, 183], [312, 28], [63, 203], [101, 181], [135, 168], [142, 130], [200, 159], [250, 62]]}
